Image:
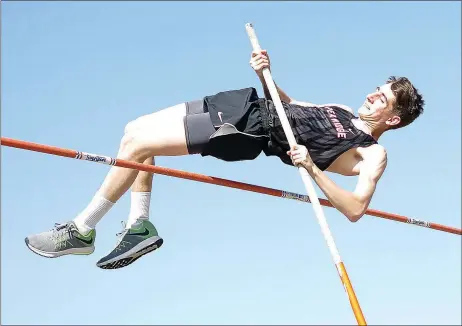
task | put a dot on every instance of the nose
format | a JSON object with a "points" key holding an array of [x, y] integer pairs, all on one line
{"points": [[372, 97]]}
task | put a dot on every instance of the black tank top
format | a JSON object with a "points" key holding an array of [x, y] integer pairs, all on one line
{"points": [[327, 132]]}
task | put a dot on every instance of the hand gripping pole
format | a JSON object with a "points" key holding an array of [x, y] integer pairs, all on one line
{"points": [[309, 186]]}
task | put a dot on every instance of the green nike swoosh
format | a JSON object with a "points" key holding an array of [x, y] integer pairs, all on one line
{"points": [[144, 233], [86, 241]]}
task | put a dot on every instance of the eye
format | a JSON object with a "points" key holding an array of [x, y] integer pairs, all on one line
{"points": [[381, 96]]}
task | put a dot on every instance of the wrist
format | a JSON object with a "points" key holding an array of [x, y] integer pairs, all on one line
{"points": [[308, 165]]}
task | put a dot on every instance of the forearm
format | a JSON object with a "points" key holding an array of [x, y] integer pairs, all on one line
{"points": [[344, 201], [282, 95]]}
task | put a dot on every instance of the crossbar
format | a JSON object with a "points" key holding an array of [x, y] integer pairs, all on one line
{"points": [[70, 153]]}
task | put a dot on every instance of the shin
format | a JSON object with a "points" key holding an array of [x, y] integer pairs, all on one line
{"points": [[119, 179], [143, 182], [140, 198]]}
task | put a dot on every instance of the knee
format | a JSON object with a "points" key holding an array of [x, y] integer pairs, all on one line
{"points": [[127, 142], [130, 142], [131, 146], [130, 127]]}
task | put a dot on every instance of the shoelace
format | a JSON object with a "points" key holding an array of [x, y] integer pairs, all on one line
{"points": [[124, 230], [120, 235], [60, 231]]}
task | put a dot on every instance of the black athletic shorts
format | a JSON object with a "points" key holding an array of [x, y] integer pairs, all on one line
{"points": [[231, 125]]}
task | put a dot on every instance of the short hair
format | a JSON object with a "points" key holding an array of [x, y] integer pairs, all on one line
{"points": [[409, 104]]}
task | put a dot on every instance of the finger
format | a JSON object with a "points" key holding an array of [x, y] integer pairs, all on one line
{"points": [[297, 152], [260, 60], [261, 66], [256, 56], [260, 56], [258, 52]]}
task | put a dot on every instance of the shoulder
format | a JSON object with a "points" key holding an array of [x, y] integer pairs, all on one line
{"points": [[341, 106], [374, 159], [374, 153], [313, 105]]}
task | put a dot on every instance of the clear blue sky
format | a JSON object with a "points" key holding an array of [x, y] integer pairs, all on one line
{"points": [[74, 73]]}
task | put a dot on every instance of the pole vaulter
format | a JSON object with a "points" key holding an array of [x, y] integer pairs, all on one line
{"points": [[138, 163], [309, 187], [70, 153]]}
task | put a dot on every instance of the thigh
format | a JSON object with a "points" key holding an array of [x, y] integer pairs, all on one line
{"points": [[161, 133], [176, 111]]}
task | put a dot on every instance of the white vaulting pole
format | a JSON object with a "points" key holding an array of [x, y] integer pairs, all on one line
{"points": [[309, 186]]}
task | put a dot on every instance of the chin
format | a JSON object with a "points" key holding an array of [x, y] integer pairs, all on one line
{"points": [[363, 111]]}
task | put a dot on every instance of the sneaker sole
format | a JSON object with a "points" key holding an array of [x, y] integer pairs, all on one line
{"points": [[71, 251], [132, 255]]}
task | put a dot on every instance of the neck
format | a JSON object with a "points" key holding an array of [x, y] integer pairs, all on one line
{"points": [[369, 127]]}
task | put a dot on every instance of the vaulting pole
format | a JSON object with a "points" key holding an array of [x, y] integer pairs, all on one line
{"points": [[309, 187]]}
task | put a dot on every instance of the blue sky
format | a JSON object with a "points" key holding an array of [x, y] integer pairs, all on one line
{"points": [[73, 74]]}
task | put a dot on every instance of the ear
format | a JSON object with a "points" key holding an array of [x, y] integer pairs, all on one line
{"points": [[393, 121]]}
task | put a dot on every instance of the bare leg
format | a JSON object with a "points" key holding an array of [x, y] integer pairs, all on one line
{"points": [[140, 198], [161, 133], [143, 182], [119, 179]]}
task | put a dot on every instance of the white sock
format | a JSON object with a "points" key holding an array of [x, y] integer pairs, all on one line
{"points": [[139, 208], [93, 213]]}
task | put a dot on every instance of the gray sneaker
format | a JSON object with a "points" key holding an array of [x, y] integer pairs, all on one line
{"points": [[140, 239], [63, 239]]}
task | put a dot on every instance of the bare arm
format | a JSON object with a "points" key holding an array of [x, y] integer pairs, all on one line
{"points": [[259, 61], [282, 95], [352, 204]]}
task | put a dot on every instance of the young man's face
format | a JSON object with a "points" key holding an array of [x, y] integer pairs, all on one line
{"points": [[378, 106]]}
